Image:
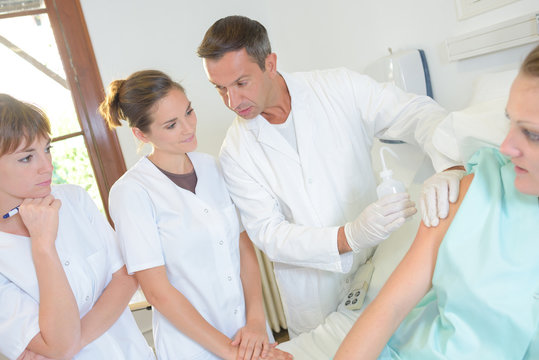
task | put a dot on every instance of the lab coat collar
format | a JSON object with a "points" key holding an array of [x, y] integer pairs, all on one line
{"points": [[302, 113], [268, 135]]}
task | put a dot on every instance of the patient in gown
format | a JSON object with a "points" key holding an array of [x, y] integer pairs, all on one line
{"points": [[474, 295]]}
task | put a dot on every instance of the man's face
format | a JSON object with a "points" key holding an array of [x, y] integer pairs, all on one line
{"points": [[243, 86]]}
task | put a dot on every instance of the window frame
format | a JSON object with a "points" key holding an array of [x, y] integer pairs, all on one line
{"points": [[82, 75]]}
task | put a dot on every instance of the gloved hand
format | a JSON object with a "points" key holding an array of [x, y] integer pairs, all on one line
{"points": [[437, 191], [378, 221]]}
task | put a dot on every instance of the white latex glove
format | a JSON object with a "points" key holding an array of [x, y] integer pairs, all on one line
{"points": [[437, 192], [378, 221]]}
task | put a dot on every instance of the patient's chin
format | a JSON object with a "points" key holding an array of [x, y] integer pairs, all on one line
{"points": [[527, 185]]}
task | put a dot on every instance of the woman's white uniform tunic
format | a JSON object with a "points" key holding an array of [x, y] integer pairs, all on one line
{"points": [[196, 238], [88, 250]]}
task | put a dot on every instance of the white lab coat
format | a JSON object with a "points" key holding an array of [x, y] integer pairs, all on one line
{"points": [[292, 203], [196, 238], [88, 250]]}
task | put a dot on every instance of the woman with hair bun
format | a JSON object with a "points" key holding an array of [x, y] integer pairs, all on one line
{"points": [[180, 232]]}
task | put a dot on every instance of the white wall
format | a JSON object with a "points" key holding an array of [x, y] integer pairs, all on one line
{"points": [[130, 35]]}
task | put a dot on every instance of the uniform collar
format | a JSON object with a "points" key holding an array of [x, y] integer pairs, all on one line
{"points": [[269, 136]]}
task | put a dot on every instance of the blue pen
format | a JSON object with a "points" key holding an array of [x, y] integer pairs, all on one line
{"points": [[11, 212]]}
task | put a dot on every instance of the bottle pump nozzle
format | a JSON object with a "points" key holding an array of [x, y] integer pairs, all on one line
{"points": [[388, 184], [385, 171]]}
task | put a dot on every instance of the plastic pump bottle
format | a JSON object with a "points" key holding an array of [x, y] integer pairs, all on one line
{"points": [[388, 185]]}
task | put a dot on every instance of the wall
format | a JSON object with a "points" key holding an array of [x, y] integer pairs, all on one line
{"points": [[354, 33], [130, 35]]}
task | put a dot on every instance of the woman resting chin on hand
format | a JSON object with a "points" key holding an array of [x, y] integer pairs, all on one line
{"points": [[64, 289]]}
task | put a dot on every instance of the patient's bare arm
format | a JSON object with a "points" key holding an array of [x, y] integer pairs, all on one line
{"points": [[405, 287]]}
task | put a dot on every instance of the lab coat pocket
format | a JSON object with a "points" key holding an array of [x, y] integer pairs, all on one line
{"points": [[99, 276]]}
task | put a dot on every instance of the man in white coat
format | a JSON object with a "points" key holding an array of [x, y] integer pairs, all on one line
{"points": [[297, 164]]}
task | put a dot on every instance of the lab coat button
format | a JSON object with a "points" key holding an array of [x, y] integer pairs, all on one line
{"points": [[347, 281], [536, 296], [230, 278], [87, 298], [235, 311], [66, 263], [206, 211], [310, 180], [221, 242]]}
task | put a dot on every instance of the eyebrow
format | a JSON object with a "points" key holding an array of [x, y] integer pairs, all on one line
{"points": [[29, 149], [529, 124], [523, 122], [233, 82], [169, 121], [175, 118]]}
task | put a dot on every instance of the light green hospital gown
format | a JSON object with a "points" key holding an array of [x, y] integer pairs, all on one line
{"points": [[484, 302]]}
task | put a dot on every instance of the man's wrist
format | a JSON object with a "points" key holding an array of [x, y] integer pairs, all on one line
{"points": [[342, 243]]}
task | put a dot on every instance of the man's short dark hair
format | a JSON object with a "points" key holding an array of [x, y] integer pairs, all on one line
{"points": [[234, 33]]}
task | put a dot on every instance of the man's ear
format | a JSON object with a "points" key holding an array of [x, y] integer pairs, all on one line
{"points": [[271, 64], [139, 135]]}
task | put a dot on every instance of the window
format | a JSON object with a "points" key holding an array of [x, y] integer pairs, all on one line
{"points": [[48, 60]]}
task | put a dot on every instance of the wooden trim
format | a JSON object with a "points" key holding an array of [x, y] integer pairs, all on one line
{"points": [[67, 136], [84, 79], [33, 61]]}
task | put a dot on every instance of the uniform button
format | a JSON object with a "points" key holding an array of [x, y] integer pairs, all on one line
{"points": [[221, 242], [235, 311], [230, 278], [536, 296], [66, 263], [310, 180], [87, 298], [206, 211], [347, 281]]}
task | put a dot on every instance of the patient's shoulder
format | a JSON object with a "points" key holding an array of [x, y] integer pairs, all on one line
{"points": [[465, 183], [434, 235]]}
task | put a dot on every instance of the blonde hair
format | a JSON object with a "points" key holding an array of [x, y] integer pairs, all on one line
{"points": [[20, 122], [530, 66]]}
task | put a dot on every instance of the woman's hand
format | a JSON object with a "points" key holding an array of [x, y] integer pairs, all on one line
{"points": [[252, 341], [29, 355], [40, 216], [276, 354]]}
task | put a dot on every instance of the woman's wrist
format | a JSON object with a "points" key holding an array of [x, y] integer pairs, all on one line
{"points": [[43, 250], [231, 352]]}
